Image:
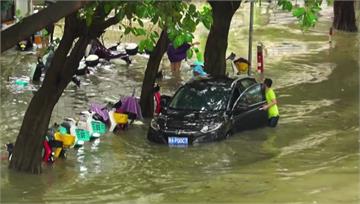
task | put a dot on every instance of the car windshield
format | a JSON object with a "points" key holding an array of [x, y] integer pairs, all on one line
{"points": [[201, 98]]}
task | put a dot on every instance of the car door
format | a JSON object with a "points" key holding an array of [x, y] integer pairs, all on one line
{"points": [[246, 111]]}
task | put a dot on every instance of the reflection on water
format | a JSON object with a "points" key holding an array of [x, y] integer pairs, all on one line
{"points": [[311, 157]]}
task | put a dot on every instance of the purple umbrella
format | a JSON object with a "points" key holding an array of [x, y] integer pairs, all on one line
{"points": [[102, 111], [131, 105]]}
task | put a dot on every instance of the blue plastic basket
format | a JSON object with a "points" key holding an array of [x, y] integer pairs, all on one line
{"points": [[98, 127], [82, 134]]}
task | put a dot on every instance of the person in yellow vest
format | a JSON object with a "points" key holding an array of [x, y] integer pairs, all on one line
{"points": [[271, 104]]}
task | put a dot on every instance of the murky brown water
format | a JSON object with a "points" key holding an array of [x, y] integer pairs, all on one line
{"points": [[312, 157]]}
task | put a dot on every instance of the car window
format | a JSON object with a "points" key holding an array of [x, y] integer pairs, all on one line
{"points": [[234, 97], [245, 83], [201, 98], [252, 95]]}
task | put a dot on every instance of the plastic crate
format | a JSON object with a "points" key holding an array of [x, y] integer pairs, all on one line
{"points": [[98, 127], [242, 65], [82, 134], [62, 130], [121, 118], [67, 139]]}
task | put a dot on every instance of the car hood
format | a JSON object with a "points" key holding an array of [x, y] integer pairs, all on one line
{"points": [[188, 120]]}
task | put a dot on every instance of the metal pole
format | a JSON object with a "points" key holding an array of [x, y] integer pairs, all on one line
{"points": [[250, 35]]}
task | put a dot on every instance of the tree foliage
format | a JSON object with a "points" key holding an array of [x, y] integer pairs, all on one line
{"points": [[178, 18], [6, 4], [307, 14]]}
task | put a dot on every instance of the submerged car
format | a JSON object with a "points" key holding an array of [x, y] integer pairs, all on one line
{"points": [[209, 109]]}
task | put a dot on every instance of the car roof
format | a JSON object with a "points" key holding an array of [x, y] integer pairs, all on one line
{"points": [[215, 81]]}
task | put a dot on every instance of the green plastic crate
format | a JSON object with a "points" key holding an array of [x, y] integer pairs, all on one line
{"points": [[62, 130], [98, 127], [82, 134]]}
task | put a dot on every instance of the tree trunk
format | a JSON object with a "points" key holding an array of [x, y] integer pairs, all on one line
{"points": [[36, 22], [27, 152], [28, 145], [217, 41], [152, 68], [344, 16]]}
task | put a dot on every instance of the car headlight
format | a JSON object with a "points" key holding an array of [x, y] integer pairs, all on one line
{"points": [[154, 125], [210, 127]]}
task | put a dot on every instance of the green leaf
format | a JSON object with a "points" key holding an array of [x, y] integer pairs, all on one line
{"points": [[189, 53], [188, 37], [298, 12], [179, 40], [288, 6], [192, 8], [107, 8], [88, 19], [155, 19], [156, 34], [199, 56], [142, 45], [18, 13], [285, 5], [127, 30], [150, 46], [140, 23], [310, 18], [172, 33], [120, 15], [140, 31]]}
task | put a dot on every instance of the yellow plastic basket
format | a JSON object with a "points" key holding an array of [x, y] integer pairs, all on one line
{"points": [[57, 152], [121, 118], [67, 139], [242, 65]]}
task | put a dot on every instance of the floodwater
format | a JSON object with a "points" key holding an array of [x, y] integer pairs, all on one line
{"points": [[311, 157]]}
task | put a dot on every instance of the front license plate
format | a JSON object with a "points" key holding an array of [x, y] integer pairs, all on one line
{"points": [[178, 141]]}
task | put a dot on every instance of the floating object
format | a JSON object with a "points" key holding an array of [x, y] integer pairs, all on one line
{"points": [[198, 69], [121, 118], [101, 111], [242, 65], [98, 127], [94, 128], [82, 135], [131, 48], [67, 139], [92, 60], [21, 82], [130, 104]]}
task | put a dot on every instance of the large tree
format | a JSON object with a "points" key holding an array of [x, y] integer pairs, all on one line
{"points": [[217, 41], [344, 16], [178, 21], [80, 27], [77, 34], [152, 67]]}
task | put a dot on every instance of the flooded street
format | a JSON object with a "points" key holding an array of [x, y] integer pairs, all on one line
{"points": [[311, 157]]}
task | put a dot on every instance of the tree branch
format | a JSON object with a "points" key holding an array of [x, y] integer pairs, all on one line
{"points": [[36, 22]]}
